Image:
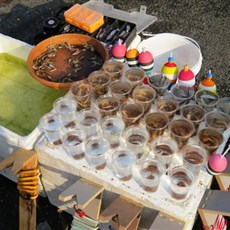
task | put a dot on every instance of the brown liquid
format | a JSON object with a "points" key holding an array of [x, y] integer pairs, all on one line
{"points": [[79, 156], [136, 139], [182, 180], [100, 167], [57, 142], [126, 178], [193, 157], [89, 120], [67, 63], [163, 150]]}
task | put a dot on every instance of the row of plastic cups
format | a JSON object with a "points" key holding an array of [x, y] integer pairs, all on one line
{"points": [[155, 122]]}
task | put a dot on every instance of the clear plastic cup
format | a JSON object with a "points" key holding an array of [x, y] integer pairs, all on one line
{"points": [[99, 80], [210, 139], [121, 90], [193, 113], [181, 130], [167, 105], [181, 180], [53, 127], [156, 123], [207, 99], [218, 120], [136, 139], [159, 82], [95, 150], [112, 128], [114, 69], [134, 76], [81, 91], [88, 120], [66, 108], [107, 105], [182, 93], [194, 157], [150, 172], [131, 113], [74, 142], [144, 95], [122, 163], [164, 148]]}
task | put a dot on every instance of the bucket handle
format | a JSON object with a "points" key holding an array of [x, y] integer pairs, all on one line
{"points": [[149, 34], [193, 41]]}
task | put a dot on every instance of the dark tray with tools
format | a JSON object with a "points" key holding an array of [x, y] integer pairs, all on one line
{"points": [[117, 25]]}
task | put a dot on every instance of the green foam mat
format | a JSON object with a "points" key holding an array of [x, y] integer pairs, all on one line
{"points": [[23, 100]]}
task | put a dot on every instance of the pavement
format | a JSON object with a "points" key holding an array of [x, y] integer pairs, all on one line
{"points": [[206, 21]]}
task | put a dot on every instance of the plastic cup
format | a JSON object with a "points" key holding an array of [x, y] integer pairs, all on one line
{"points": [[193, 113], [167, 105], [181, 130], [112, 128], [136, 139], [131, 113], [99, 80], [194, 157], [223, 105], [121, 90], [151, 172], [144, 95], [156, 124], [122, 163], [134, 76], [114, 69], [210, 139], [81, 91], [182, 93], [53, 127], [95, 150], [164, 148], [218, 120], [207, 99], [107, 105], [159, 82], [66, 108], [74, 141], [181, 179], [88, 120]]}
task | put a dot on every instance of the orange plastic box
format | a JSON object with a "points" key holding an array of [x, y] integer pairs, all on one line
{"points": [[84, 18]]}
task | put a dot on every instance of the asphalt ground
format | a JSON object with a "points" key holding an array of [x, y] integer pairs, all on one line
{"points": [[206, 21]]}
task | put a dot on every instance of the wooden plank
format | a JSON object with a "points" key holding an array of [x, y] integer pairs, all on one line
{"points": [[216, 201], [85, 191], [223, 181], [123, 212], [162, 221]]}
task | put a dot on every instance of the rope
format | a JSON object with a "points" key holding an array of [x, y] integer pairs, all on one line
{"points": [[28, 182]]}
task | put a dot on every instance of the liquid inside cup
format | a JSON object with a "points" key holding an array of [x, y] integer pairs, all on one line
{"points": [[96, 149], [82, 93], [163, 151], [107, 105], [131, 113], [114, 69], [207, 99], [160, 83], [210, 138], [99, 81], [182, 93], [182, 180], [168, 106], [156, 124], [121, 89], [52, 125], [122, 163], [74, 142], [217, 120], [193, 113], [150, 176], [112, 127], [181, 130], [135, 76]]}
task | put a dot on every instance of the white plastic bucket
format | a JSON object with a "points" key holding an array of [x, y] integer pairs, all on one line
{"points": [[185, 50]]}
